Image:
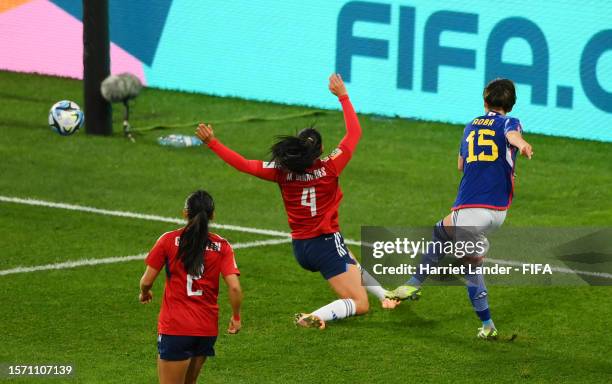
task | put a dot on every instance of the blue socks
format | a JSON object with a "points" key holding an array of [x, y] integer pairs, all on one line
{"points": [[432, 257], [477, 292], [476, 288]]}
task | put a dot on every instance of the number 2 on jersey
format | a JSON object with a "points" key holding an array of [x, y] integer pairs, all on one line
{"points": [[309, 199], [482, 142]]}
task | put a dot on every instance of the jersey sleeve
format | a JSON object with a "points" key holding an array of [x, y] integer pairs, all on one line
{"points": [[512, 124], [228, 261], [343, 153], [263, 170], [157, 256]]}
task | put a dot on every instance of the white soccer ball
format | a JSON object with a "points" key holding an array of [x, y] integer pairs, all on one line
{"points": [[66, 117]]}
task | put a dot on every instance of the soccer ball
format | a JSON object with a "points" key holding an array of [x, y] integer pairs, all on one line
{"points": [[65, 117]]}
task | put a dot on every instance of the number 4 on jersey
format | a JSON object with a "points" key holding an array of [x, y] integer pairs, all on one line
{"points": [[309, 199]]}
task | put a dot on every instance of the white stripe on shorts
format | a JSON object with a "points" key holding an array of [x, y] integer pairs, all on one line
{"points": [[339, 247]]}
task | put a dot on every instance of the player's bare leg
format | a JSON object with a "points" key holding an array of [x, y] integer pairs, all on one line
{"points": [[194, 369], [353, 300], [172, 372], [347, 285], [373, 286], [448, 223]]}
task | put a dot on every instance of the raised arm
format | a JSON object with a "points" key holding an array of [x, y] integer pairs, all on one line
{"points": [[252, 167], [341, 156], [353, 129]]}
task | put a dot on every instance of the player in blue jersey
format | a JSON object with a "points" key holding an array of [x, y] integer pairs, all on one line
{"points": [[487, 157]]}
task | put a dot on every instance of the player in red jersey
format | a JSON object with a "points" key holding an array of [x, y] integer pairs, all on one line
{"points": [[188, 321], [310, 191]]}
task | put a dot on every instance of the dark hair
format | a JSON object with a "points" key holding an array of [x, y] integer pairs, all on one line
{"points": [[194, 238], [500, 93], [297, 153]]}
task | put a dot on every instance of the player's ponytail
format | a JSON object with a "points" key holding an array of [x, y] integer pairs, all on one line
{"points": [[199, 208], [297, 153]]}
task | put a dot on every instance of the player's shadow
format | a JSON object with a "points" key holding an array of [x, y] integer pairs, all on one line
{"points": [[402, 317]]}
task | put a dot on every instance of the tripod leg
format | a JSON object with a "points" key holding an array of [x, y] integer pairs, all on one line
{"points": [[126, 124]]}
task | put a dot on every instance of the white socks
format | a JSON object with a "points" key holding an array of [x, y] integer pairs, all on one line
{"points": [[372, 285], [344, 308], [336, 310]]}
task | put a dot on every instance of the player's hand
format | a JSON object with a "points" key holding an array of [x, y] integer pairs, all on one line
{"points": [[145, 298], [205, 132], [526, 150], [336, 85], [234, 326]]}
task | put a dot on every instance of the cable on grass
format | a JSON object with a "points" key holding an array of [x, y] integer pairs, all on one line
{"points": [[245, 119]]}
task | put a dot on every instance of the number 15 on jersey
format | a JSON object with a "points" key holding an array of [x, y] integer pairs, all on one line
{"points": [[485, 140]]}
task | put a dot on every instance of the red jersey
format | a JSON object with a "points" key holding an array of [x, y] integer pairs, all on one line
{"points": [[312, 198], [189, 307]]}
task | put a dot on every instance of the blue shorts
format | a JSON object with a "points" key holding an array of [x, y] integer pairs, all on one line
{"points": [[326, 254], [174, 348]]}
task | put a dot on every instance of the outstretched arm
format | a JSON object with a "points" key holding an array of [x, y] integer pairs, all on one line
{"points": [[349, 142], [515, 138], [252, 167]]}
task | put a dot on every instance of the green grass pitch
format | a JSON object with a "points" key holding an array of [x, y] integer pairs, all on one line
{"points": [[403, 173]]}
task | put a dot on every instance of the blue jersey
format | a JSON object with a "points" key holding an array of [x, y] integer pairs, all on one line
{"points": [[488, 163]]}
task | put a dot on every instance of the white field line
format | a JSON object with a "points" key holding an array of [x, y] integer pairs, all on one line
{"points": [[120, 259], [144, 216], [286, 236], [134, 215], [555, 269]]}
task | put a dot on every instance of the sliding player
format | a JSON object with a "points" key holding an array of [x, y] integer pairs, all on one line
{"points": [[188, 321], [310, 191], [487, 157]]}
